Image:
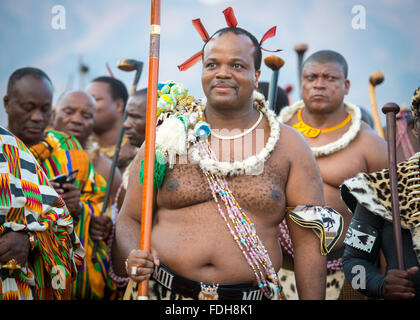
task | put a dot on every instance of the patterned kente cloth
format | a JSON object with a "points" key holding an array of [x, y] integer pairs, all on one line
{"points": [[29, 203], [60, 153]]}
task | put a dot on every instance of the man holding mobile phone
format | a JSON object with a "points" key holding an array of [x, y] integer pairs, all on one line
{"points": [[64, 186], [28, 104]]}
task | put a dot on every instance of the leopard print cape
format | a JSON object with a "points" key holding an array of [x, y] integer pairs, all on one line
{"points": [[373, 192]]}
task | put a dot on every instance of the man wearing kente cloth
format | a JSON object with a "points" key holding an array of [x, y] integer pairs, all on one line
{"points": [[368, 196], [75, 114], [215, 230], [28, 106], [343, 146], [40, 253]]}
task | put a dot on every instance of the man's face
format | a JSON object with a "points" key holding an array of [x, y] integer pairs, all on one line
{"points": [[29, 108], [135, 124], [323, 86], [229, 76], [108, 110], [75, 115]]}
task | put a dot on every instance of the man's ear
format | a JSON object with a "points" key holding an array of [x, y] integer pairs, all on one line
{"points": [[257, 77], [347, 86], [6, 104], [120, 105]]}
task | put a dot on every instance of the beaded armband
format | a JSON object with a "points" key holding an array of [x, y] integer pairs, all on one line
{"points": [[324, 221]]}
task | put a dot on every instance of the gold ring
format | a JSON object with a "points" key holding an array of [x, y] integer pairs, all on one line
{"points": [[12, 265]]}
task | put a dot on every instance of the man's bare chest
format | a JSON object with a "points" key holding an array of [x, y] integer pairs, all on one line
{"points": [[186, 185], [341, 165]]}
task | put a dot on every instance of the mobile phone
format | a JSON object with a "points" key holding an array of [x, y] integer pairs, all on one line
{"points": [[63, 178], [72, 176]]}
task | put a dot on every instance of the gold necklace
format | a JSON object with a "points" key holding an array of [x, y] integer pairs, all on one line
{"points": [[312, 132]]}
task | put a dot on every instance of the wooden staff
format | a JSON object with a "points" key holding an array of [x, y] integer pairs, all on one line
{"points": [[300, 50], [149, 159], [391, 109], [375, 79], [274, 63]]}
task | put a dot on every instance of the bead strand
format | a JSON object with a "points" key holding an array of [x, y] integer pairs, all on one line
{"points": [[241, 227]]}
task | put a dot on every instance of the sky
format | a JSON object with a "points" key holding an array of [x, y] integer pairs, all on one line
{"points": [[373, 35]]}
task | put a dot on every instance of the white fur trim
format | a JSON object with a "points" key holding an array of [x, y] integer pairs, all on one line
{"points": [[360, 182], [171, 136], [356, 115]]}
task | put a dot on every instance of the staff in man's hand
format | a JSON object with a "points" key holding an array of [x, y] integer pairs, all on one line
{"points": [[391, 109]]}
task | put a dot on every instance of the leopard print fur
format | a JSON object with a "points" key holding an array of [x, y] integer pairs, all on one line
{"points": [[373, 192]]}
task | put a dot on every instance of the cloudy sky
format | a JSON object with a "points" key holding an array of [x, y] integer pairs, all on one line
{"points": [[104, 31]]}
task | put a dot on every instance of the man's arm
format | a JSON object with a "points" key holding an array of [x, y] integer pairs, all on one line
{"points": [[358, 262], [304, 187], [310, 265], [128, 224]]}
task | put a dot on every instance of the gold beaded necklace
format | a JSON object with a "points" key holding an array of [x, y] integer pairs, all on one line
{"points": [[312, 132]]}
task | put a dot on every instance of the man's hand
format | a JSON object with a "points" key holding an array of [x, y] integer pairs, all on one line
{"points": [[140, 264], [14, 245], [100, 228], [71, 196], [398, 284]]}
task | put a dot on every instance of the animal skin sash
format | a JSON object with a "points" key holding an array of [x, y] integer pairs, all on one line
{"points": [[373, 192]]}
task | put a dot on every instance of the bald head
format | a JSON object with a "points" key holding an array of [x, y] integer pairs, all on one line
{"points": [[75, 115], [75, 96]]}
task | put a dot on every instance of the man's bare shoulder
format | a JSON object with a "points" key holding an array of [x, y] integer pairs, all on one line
{"points": [[103, 161], [368, 141], [292, 142], [369, 135], [103, 166], [373, 148]]}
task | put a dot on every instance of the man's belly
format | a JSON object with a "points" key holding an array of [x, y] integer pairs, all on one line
{"points": [[196, 243]]}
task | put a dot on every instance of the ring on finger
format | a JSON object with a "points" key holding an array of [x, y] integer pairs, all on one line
{"points": [[133, 271]]}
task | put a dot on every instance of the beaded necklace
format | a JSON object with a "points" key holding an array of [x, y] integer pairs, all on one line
{"points": [[184, 127], [312, 132], [241, 228], [356, 115]]}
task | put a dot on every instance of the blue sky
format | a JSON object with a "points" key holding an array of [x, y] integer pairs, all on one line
{"points": [[106, 31]]}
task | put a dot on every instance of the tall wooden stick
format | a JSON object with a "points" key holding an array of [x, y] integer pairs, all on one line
{"points": [[300, 49], [375, 79], [274, 63], [149, 159], [391, 109]]}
